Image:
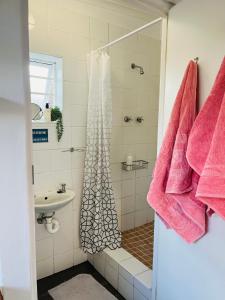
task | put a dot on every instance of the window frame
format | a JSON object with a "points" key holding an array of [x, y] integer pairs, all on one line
{"points": [[58, 61]]}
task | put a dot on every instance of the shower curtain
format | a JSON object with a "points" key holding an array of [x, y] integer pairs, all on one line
{"points": [[99, 222]]}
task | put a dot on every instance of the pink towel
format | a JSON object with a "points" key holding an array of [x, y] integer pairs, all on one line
{"points": [[206, 147], [173, 187]]}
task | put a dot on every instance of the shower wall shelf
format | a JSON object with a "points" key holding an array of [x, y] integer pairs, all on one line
{"points": [[137, 165]]}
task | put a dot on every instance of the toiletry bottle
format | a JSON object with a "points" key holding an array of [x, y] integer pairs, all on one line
{"points": [[129, 162], [129, 159], [47, 113]]}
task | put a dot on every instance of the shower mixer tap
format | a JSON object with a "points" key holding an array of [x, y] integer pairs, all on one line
{"points": [[127, 119], [139, 119]]}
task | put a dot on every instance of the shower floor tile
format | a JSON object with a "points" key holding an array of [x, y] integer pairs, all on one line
{"points": [[139, 243]]}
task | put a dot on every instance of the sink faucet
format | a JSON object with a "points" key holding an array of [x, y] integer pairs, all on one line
{"points": [[63, 188]]}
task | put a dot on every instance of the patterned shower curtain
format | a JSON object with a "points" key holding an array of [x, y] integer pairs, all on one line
{"points": [[99, 222]]}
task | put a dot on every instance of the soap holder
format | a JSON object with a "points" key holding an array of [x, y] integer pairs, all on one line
{"points": [[136, 165]]}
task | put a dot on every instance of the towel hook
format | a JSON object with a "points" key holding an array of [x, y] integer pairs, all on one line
{"points": [[196, 59]]}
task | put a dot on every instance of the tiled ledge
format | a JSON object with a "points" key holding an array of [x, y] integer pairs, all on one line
{"points": [[126, 274]]}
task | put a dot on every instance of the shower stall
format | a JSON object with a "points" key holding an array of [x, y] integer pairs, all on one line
{"points": [[135, 70]]}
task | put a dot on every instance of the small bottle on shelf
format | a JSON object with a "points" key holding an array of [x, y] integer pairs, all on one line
{"points": [[47, 113]]}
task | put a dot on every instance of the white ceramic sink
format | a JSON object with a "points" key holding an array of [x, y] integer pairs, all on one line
{"points": [[51, 201]]}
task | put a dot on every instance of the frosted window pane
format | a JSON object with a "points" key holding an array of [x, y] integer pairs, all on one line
{"points": [[36, 70], [45, 85], [38, 85]]}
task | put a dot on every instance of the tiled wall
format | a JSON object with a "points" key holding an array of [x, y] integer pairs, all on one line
{"points": [[65, 29], [134, 95]]}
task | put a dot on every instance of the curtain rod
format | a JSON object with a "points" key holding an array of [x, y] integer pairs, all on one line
{"points": [[130, 34]]}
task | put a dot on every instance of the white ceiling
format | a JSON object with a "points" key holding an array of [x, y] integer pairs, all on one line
{"points": [[163, 5], [160, 7]]}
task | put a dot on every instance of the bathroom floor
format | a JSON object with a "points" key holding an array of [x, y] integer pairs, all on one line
{"points": [[47, 283], [139, 243]]}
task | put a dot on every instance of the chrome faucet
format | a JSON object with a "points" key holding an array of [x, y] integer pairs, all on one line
{"points": [[63, 188]]}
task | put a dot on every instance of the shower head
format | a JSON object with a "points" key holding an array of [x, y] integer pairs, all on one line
{"points": [[134, 66]]}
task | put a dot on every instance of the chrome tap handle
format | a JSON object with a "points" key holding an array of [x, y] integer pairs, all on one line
{"points": [[139, 119], [63, 188], [127, 119]]}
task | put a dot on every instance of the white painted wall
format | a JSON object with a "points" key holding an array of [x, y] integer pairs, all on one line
{"points": [[70, 31], [196, 272], [17, 251]]}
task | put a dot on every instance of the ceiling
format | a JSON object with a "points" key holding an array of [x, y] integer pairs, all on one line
{"points": [[163, 5], [160, 7]]}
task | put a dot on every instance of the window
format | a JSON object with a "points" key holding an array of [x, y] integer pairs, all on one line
{"points": [[46, 80]]}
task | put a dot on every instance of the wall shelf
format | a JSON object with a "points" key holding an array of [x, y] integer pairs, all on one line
{"points": [[137, 165]]}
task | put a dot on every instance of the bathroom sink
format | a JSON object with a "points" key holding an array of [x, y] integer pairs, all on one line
{"points": [[51, 201]]}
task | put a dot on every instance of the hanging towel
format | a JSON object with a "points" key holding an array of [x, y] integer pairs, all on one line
{"points": [[99, 227], [173, 187], [206, 147]]}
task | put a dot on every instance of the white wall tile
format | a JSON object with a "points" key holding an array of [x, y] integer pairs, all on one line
{"points": [[116, 153], [141, 202], [116, 32], [128, 204], [78, 115], [79, 256], [114, 257], [40, 13], [44, 182], [131, 267], [140, 218], [65, 233], [127, 221], [66, 20], [142, 185], [77, 181], [78, 160], [75, 93], [130, 97], [90, 259], [130, 135], [75, 70], [117, 136], [126, 289], [63, 261], [143, 283], [100, 262], [95, 44], [118, 206], [128, 187], [79, 136], [99, 29], [112, 275], [76, 234], [40, 231], [60, 177], [42, 161], [45, 268], [61, 161], [44, 249], [81, 48], [138, 295], [116, 171]]}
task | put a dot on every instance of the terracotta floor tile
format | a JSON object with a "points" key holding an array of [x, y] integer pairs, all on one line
{"points": [[139, 242]]}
